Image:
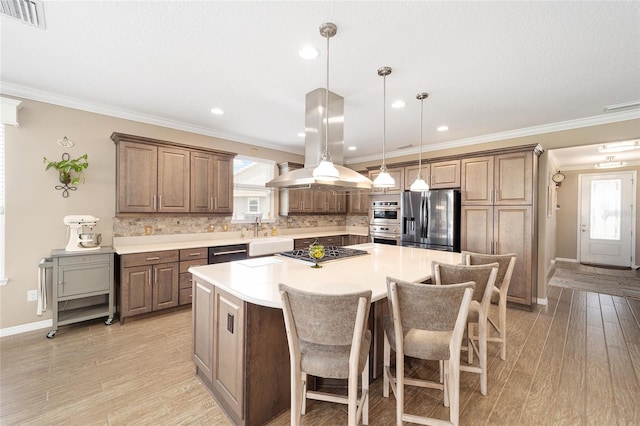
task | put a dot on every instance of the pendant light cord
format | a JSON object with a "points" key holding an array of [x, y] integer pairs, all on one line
{"points": [[420, 158], [384, 118], [326, 122]]}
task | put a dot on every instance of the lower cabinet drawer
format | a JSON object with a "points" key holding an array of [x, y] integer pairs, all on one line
{"points": [[185, 280], [185, 296]]}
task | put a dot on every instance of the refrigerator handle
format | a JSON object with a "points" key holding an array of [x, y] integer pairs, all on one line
{"points": [[425, 215]]}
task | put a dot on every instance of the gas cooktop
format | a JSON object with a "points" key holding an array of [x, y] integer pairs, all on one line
{"points": [[330, 253]]}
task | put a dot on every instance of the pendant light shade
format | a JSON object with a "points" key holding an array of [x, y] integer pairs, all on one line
{"points": [[419, 185], [384, 179], [326, 171]]}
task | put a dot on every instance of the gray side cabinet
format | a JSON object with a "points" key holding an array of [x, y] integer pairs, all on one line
{"points": [[82, 287]]}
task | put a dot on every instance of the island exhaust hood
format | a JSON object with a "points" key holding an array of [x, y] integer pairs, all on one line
{"points": [[348, 180]]}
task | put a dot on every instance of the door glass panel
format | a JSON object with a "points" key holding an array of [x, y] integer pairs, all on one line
{"points": [[605, 209]]}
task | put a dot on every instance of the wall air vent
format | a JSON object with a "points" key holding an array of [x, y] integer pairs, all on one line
{"points": [[30, 12]]}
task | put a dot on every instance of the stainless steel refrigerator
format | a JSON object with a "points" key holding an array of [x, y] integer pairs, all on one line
{"points": [[431, 219]]}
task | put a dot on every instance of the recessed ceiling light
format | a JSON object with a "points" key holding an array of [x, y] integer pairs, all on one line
{"points": [[217, 111], [309, 53], [619, 146], [443, 128], [301, 134], [397, 104], [352, 148]]}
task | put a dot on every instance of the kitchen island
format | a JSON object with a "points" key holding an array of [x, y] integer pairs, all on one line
{"points": [[239, 340]]}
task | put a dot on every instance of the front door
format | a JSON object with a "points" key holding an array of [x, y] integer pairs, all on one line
{"points": [[607, 203]]}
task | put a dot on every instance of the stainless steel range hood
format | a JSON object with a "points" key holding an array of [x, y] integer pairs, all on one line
{"points": [[349, 180]]}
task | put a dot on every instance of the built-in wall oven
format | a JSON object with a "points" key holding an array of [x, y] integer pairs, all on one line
{"points": [[385, 226], [385, 212]]}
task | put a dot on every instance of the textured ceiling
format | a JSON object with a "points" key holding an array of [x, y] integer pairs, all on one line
{"points": [[492, 69]]}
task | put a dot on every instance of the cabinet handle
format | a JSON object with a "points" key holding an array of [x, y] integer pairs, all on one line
{"points": [[153, 258], [159, 202], [215, 203], [154, 202], [230, 323], [210, 203], [194, 254]]}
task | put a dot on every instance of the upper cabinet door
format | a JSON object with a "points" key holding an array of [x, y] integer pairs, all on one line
{"points": [[445, 174], [477, 181], [173, 180], [201, 182], [222, 184], [137, 178], [514, 179]]}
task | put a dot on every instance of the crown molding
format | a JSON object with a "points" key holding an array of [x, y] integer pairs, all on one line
{"points": [[69, 102], [510, 134]]}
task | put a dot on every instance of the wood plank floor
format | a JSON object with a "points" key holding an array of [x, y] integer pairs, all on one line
{"points": [[575, 361]]}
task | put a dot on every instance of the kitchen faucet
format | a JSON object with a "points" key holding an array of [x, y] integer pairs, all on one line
{"points": [[257, 227]]}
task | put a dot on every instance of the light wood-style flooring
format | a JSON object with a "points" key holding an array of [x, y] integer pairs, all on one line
{"points": [[575, 361]]}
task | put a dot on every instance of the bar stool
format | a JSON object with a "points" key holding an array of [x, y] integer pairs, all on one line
{"points": [[484, 276], [328, 337], [506, 263], [425, 322]]}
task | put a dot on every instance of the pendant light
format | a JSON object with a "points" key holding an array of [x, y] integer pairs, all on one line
{"points": [[384, 179], [420, 185], [326, 171]]}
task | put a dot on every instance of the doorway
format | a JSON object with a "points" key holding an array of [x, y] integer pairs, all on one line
{"points": [[606, 219]]}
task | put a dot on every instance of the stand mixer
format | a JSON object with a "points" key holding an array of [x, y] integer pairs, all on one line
{"points": [[78, 239]]}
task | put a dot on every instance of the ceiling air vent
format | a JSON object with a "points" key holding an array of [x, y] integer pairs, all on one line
{"points": [[30, 12]]}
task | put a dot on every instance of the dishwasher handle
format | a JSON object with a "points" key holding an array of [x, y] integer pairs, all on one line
{"points": [[222, 253]]}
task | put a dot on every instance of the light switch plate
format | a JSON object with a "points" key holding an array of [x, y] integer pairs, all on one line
{"points": [[32, 295]]}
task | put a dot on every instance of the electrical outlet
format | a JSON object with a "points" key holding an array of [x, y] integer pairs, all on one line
{"points": [[148, 229], [32, 295]]}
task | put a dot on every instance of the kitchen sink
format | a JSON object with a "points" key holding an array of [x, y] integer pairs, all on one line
{"points": [[269, 245]]}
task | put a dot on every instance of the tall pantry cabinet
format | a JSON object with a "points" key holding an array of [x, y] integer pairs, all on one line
{"points": [[498, 195]]}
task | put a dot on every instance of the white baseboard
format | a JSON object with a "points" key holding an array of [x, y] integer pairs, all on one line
{"points": [[544, 301], [26, 327], [562, 259]]}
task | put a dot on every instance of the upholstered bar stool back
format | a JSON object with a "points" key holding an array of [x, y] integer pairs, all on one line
{"points": [[328, 337], [506, 264], [425, 322], [485, 277]]}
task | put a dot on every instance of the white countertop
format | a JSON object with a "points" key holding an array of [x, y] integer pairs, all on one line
{"points": [[142, 244], [256, 280]]}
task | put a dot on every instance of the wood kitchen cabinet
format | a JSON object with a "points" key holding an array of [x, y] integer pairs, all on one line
{"points": [[137, 177], [444, 174], [210, 191], [228, 335], [358, 202], [301, 200], [152, 179], [500, 230], [173, 180], [148, 282], [505, 179], [498, 195], [329, 202], [398, 176], [411, 173], [241, 354], [154, 176], [188, 258]]}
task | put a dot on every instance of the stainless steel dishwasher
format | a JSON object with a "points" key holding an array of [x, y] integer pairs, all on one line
{"points": [[222, 254]]}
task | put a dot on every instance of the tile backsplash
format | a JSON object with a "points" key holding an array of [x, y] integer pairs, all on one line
{"points": [[170, 225]]}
